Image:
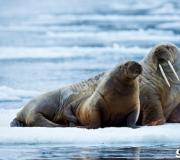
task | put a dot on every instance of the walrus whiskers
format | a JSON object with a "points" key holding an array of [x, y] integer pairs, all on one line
{"points": [[164, 75], [171, 66]]}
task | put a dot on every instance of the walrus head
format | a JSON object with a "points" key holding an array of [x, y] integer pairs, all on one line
{"points": [[132, 69], [127, 71], [163, 60]]}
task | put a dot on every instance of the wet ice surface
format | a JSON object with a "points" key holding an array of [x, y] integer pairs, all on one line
{"points": [[46, 45]]}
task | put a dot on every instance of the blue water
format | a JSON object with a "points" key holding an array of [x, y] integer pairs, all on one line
{"points": [[55, 152], [48, 44]]}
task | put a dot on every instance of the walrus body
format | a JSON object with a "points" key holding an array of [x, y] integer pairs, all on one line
{"points": [[47, 110], [114, 101], [159, 86]]}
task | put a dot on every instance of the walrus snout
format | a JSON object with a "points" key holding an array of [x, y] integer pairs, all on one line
{"points": [[164, 56], [134, 69]]}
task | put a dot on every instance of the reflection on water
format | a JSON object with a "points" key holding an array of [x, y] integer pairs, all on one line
{"points": [[59, 151]]}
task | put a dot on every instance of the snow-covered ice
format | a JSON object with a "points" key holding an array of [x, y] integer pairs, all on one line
{"points": [[122, 136]]}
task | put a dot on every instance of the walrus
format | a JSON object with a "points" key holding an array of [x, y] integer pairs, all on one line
{"points": [[46, 110], [159, 86], [115, 101]]}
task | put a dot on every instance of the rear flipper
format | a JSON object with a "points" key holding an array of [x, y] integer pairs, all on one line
{"points": [[38, 120], [16, 123]]}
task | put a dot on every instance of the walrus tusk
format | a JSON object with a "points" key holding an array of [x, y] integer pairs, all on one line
{"points": [[171, 66], [164, 76]]}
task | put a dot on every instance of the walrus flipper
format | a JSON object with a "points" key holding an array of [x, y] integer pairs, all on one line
{"points": [[153, 114], [132, 119], [16, 123], [174, 117], [39, 120]]}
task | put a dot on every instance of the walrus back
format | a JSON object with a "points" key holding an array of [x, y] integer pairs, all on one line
{"points": [[16, 123]]}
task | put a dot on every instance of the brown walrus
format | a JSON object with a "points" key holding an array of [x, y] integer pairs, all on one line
{"points": [[47, 109], [159, 86], [114, 101]]}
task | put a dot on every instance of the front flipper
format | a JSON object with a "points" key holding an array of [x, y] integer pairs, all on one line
{"points": [[153, 114], [175, 115], [132, 118]]}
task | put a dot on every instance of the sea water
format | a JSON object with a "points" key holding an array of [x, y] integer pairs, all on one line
{"points": [[47, 44]]}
